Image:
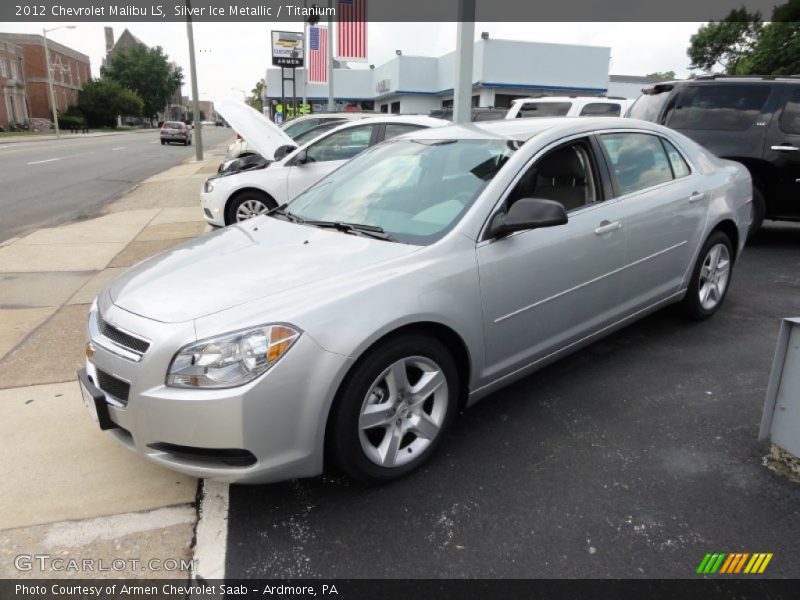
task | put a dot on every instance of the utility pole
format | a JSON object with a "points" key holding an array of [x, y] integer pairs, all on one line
{"points": [[198, 130], [50, 76], [331, 100], [465, 47]]}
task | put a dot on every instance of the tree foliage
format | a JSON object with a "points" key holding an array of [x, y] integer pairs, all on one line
{"points": [[743, 45], [101, 100], [661, 75], [725, 43], [148, 72], [256, 97]]}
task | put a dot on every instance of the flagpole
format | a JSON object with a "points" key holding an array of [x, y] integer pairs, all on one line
{"points": [[305, 57], [331, 101]]}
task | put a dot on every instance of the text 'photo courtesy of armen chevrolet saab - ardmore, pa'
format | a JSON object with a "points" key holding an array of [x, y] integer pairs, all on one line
{"points": [[442, 300]]}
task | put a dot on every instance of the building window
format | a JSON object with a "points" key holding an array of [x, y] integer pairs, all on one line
{"points": [[14, 70], [3, 67], [396, 108]]}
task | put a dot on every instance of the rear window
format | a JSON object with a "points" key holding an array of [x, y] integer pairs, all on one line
{"points": [[730, 107], [648, 106], [544, 109], [790, 117], [173, 125], [601, 109]]}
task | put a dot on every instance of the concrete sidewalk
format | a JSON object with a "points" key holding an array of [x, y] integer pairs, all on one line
{"points": [[69, 490], [46, 137]]}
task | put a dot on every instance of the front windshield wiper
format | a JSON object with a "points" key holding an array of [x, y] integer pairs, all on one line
{"points": [[281, 210], [372, 231]]}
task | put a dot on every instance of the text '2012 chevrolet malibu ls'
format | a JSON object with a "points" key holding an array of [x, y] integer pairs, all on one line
{"points": [[350, 326]]}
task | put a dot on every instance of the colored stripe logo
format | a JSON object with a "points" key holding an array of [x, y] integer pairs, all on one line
{"points": [[734, 563]]}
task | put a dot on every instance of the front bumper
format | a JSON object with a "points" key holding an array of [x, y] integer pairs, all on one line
{"points": [[268, 430]]}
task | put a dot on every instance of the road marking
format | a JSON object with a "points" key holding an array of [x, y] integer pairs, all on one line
{"points": [[154, 142], [212, 532], [39, 162], [119, 148]]}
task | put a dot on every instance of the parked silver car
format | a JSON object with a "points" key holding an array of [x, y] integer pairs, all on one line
{"points": [[351, 325]]}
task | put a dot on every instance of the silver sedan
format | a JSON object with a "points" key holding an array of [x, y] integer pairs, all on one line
{"points": [[349, 327]]}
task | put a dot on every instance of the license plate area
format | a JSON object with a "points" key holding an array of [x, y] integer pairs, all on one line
{"points": [[95, 401]]}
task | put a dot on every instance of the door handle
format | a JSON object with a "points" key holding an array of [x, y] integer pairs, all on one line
{"points": [[697, 196], [784, 148], [607, 228]]}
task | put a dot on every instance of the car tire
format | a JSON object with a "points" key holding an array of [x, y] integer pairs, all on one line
{"points": [[711, 277], [250, 203], [379, 445], [163, 143], [759, 211]]}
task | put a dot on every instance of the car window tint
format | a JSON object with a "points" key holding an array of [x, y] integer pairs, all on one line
{"points": [[790, 117], [299, 127], [676, 160], [637, 159], [544, 109], [601, 109], [718, 107], [395, 129], [341, 145]]}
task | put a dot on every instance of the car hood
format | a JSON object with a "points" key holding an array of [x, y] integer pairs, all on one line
{"points": [[241, 263], [259, 132]]}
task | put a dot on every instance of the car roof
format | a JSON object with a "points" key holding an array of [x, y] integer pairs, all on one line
{"points": [[524, 129]]}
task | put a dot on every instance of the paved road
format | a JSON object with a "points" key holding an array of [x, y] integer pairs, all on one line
{"points": [[44, 183], [632, 458]]}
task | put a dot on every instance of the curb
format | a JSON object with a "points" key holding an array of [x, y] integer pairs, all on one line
{"points": [[211, 533]]}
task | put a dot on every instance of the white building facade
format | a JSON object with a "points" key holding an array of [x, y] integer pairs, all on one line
{"points": [[502, 71]]}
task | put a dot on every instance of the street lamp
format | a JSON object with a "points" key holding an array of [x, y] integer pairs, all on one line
{"points": [[50, 75]]}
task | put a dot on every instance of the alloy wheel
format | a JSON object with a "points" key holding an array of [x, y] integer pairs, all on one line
{"points": [[403, 412], [249, 209], [714, 275]]}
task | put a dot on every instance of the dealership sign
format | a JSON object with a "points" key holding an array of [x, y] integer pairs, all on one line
{"points": [[287, 48]]}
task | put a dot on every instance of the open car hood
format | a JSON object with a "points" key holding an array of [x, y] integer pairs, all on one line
{"points": [[259, 132]]}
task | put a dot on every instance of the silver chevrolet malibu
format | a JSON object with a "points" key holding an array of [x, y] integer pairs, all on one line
{"points": [[351, 325]]}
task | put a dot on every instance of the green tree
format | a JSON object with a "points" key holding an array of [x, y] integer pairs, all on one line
{"points": [[725, 43], [149, 73], [101, 100], [662, 75], [256, 97], [777, 51]]}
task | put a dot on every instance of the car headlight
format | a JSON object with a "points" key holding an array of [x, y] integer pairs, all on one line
{"points": [[232, 359], [208, 186]]}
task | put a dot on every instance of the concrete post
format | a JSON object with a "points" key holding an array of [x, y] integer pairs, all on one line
{"points": [[198, 129], [465, 45], [50, 84]]}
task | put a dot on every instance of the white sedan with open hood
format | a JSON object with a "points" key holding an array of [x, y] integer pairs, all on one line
{"points": [[247, 187]]}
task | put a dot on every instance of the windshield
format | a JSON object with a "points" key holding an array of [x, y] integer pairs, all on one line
{"points": [[648, 106], [414, 190]]}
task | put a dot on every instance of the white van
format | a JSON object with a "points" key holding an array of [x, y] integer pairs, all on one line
{"points": [[568, 106]]}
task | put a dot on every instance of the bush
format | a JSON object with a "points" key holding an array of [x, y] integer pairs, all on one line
{"points": [[101, 100], [71, 122]]}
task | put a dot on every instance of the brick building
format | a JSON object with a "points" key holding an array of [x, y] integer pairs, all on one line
{"points": [[13, 100], [70, 70]]}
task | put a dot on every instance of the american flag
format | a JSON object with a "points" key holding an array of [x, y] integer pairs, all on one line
{"points": [[318, 54], [352, 31]]}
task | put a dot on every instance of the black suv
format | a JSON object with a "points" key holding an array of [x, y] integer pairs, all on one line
{"points": [[752, 120]]}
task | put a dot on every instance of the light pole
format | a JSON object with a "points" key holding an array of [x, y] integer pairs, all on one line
{"points": [[198, 145], [50, 75]]}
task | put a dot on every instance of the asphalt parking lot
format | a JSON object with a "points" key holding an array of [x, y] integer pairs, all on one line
{"points": [[632, 458]]}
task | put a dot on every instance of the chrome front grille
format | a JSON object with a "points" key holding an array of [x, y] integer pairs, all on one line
{"points": [[123, 339]]}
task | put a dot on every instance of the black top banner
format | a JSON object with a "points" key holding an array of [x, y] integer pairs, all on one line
{"points": [[377, 10]]}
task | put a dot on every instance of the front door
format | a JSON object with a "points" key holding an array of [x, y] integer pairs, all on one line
{"points": [[545, 289], [782, 149]]}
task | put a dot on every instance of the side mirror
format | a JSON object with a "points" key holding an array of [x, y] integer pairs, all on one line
{"points": [[528, 213], [300, 158], [284, 151]]}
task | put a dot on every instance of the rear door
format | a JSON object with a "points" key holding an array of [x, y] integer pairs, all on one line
{"points": [[664, 203], [328, 153], [782, 150]]}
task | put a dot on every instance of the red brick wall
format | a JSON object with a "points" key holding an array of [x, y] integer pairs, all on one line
{"points": [[66, 82]]}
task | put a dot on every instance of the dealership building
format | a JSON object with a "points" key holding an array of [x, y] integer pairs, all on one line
{"points": [[502, 71]]}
